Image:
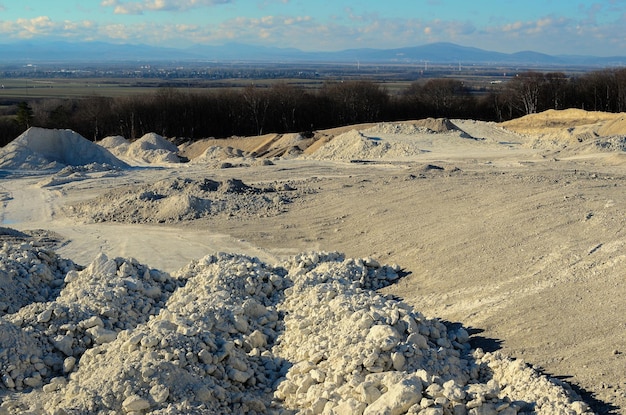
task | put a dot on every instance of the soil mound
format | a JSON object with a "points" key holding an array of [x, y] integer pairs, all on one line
{"points": [[179, 199], [150, 148], [382, 141], [46, 149], [231, 334], [557, 119], [576, 130], [438, 125], [614, 127], [227, 157]]}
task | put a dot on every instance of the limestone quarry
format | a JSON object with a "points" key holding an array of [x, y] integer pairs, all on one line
{"points": [[425, 267]]}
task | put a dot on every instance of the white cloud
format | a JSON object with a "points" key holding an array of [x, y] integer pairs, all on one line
{"points": [[36, 26], [139, 7]]}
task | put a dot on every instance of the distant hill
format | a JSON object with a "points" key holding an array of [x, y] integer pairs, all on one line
{"points": [[57, 51]]}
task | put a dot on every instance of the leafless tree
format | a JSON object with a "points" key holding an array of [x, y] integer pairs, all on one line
{"points": [[257, 102], [525, 90]]}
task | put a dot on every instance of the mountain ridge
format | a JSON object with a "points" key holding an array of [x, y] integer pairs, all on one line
{"points": [[441, 52]]}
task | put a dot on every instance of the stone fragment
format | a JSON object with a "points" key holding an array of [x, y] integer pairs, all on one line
{"points": [[350, 406], [453, 392], [100, 335], [238, 375], [33, 381], [64, 344], [398, 360], [68, 364], [398, 399], [485, 409], [8, 381], [159, 393], [256, 339], [135, 403], [44, 316], [94, 321], [386, 337]]}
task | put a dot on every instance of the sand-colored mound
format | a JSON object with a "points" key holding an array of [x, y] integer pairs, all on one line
{"points": [[264, 146], [47, 149], [615, 126], [247, 145], [546, 121], [574, 131]]}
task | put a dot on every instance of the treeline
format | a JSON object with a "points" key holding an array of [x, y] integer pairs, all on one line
{"points": [[286, 108]]}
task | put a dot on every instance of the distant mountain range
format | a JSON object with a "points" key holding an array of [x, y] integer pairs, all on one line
{"points": [[59, 51]]}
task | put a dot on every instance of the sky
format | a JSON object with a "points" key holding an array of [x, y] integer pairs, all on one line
{"points": [[556, 27]]}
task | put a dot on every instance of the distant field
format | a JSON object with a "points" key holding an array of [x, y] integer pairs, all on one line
{"points": [[72, 88], [27, 89], [15, 88]]}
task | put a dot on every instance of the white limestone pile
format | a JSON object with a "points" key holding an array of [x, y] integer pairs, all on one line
{"points": [[95, 304], [116, 144], [355, 351], [29, 274], [48, 149], [230, 334], [182, 199], [151, 148]]}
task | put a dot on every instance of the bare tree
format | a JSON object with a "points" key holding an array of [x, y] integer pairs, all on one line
{"points": [[446, 97], [356, 101], [257, 102], [91, 116], [285, 100], [555, 89], [525, 89]]}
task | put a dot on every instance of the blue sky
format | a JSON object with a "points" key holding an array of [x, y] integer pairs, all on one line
{"points": [[548, 26]]}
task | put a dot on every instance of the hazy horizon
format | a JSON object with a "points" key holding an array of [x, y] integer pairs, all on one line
{"points": [[554, 27]]}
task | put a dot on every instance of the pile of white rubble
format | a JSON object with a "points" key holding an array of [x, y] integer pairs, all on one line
{"points": [[231, 334], [172, 200]]}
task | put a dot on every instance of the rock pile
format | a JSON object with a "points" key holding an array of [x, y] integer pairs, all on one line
{"points": [[28, 274], [181, 199], [231, 334]]}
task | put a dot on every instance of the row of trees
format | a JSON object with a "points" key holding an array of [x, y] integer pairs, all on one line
{"points": [[285, 108]]}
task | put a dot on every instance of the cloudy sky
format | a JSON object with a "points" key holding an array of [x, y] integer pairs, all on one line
{"points": [[549, 26]]}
